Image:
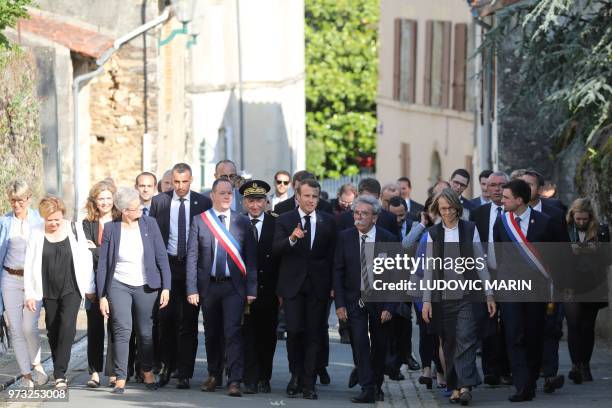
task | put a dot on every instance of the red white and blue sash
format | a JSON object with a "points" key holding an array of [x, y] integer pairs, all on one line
{"points": [[526, 248], [224, 237]]}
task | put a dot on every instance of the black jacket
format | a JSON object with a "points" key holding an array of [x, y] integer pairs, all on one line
{"points": [[289, 205]]}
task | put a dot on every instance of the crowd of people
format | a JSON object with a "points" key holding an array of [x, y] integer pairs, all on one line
{"points": [[260, 262]]}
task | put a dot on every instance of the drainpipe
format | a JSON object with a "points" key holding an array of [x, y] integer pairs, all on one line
{"points": [[84, 77], [488, 102]]}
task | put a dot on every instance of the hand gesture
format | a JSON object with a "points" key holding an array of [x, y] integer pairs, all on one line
{"points": [[298, 233], [193, 299], [341, 313]]}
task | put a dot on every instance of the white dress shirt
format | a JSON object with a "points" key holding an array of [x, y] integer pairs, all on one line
{"points": [[174, 214], [370, 237], [259, 224], [313, 225], [407, 201], [491, 259], [524, 224], [538, 206], [130, 259], [227, 224]]}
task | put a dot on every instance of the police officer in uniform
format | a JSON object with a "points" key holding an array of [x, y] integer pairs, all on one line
{"points": [[261, 318]]}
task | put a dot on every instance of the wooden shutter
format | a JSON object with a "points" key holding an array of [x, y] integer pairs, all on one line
{"points": [[397, 47], [408, 61], [428, 56], [446, 62], [405, 160], [460, 67]]}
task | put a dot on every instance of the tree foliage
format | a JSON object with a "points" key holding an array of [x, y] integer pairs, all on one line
{"points": [[10, 12], [341, 82], [565, 51]]}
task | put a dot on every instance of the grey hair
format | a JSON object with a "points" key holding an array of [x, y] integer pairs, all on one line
{"points": [[125, 196], [20, 189], [500, 174], [366, 199]]}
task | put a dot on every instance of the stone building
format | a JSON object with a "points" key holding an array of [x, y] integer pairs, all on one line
{"points": [[237, 89]]}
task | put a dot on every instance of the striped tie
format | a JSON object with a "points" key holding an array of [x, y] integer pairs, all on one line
{"points": [[364, 267]]}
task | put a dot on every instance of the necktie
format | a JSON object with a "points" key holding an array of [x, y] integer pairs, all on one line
{"points": [[364, 266], [145, 211], [499, 212], [307, 231], [254, 221], [221, 261], [518, 222], [181, 247]]}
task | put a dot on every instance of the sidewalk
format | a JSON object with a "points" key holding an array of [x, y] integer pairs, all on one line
{"points": [[9, 370]]}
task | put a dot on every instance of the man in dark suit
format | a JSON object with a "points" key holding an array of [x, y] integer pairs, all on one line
{"points": [[413, 207], [484, 198], [178, 323], [523, 321], [459, 182], [291, 203], [553, 330], [386, 220], [352, 277], [226, 169], [260, 323], [495, 365], [304, 240], [222, 274]]}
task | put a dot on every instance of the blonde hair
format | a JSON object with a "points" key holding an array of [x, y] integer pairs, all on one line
{"points": [[50, 204], [584, 205], [19, 189], [451, 197], [93, 214]]}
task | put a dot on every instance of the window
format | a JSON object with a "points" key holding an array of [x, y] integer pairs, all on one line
{"points": [[464, 68], [405, 160], [437, 63], [404, 64]]}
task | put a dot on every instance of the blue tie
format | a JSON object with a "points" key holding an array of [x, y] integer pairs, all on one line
{"points": [[181, 247], [499, 212], [221, 261], [145, 211]]}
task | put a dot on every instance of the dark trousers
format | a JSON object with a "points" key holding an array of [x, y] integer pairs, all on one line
{"points": [[400, 337], [60, 319], [523, 326], [178, 327], [581, 330], [494, 355], [223, 309], [369, 342], [429, 344], [95, 341], [140, 300], [553, 331], [305, 314], [260, 339], [323, 358]]}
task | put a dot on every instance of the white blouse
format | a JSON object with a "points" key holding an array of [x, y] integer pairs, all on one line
{"points": [[130, 259]]}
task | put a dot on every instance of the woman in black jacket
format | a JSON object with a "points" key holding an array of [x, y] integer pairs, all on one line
{"points": [[100, 210]]}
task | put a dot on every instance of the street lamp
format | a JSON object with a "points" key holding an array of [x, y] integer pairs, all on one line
{"points": [[184, 11]]}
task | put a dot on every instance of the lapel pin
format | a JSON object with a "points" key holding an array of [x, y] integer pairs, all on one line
{"points": [[532, 221], [195, 203]]}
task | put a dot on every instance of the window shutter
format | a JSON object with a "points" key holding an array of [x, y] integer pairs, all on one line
{"points": [[405, 160], [397, 46], [459, 67], [428, 57], [446, 62]]}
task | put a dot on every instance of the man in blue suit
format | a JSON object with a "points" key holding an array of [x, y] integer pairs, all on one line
{"points": [[222, 278], [523, 321], [366, 319]]}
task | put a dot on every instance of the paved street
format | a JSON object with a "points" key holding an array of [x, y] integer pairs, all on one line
{"points": [[398, 394]]}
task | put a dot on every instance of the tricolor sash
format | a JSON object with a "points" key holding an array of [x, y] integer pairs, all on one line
{"points": [[224, 237], [526, 248]]}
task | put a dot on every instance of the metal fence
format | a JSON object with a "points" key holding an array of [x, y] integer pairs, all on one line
{"points": [[331, 186]]}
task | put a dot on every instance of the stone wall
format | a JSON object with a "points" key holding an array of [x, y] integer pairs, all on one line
{"points": [[117, 109]]}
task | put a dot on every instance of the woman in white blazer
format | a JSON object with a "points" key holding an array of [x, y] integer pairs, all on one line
{"points": [[58, 270]]}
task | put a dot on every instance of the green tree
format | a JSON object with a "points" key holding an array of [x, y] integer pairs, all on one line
{"points": [[341, 81], [10, 12], [565, 49]]}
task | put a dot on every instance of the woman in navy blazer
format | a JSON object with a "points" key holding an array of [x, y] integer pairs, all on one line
{"points": [[132, 270]]}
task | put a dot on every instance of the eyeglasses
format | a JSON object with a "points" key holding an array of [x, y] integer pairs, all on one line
{"points": [[279, 182], [20, 201], [229, 177], [362, 213], [139, 208], [447, 210]]}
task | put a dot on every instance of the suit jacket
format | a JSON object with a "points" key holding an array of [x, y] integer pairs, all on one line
{"points": [[156, 267], [467, 204], [558, 222], [160, 210], [299, 261], [415, 209], [289, 205], [347, 266], [475, 203], [386, 221], [553, 202], [201, 253], [410, 219], [480, 216], [267, 263]]}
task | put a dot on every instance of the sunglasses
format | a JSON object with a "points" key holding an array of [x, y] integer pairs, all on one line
{"points": [[279, 182]]}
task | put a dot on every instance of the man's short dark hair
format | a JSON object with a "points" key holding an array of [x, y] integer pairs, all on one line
{"points": [[310, 182], [371, 185], [225, 161], [302, 175], [345, 188], [405, 180], [221, 180], [181, 168], [537, 175], [396, 201], [146, 173], [282, 172], [462, 173], [519, 188], [484, 174]]}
